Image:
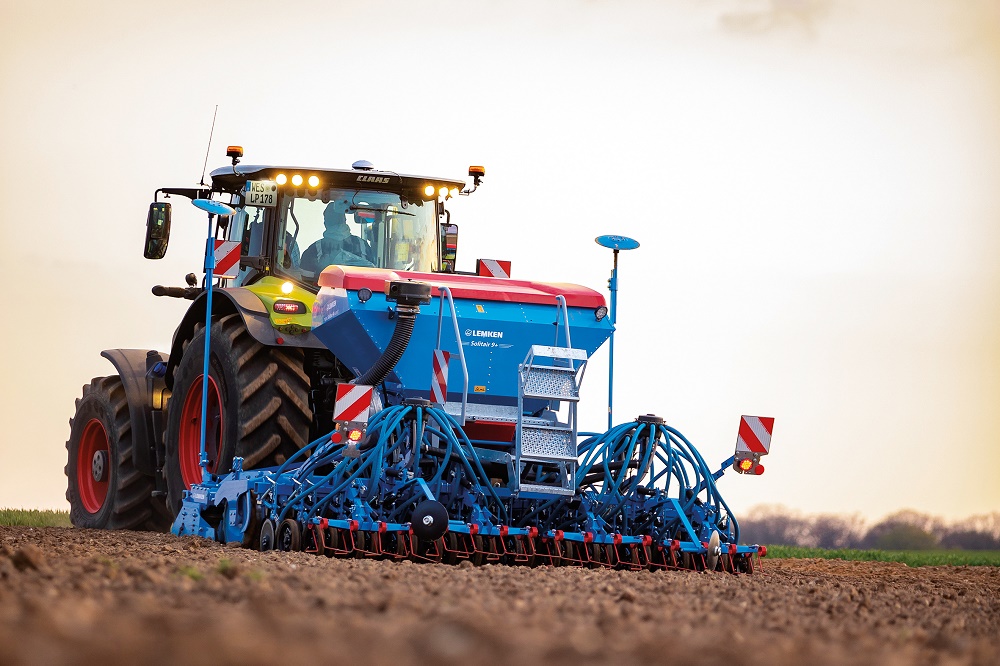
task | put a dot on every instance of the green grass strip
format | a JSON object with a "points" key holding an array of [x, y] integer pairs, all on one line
{"points": [[34, 518], [913, 558]]}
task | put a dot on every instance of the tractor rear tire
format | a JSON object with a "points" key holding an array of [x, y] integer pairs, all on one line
{"points": [[105, 490], [258, 406]]}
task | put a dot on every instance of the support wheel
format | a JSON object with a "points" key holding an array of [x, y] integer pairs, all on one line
{"points": [[258, 406], [360, 544], [105, 489], [288, 538], [478, 557]]}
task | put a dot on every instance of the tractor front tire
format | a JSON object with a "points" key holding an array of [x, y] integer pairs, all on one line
{"points": [[105, 489], [258, 406]]}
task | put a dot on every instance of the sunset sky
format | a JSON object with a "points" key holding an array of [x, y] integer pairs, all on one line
{"points": [[815, 184]]}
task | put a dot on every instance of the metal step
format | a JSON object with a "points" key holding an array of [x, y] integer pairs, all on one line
{"points": [[548, 458], [475, 410], [547, 443], [551, 383], [559, 352], [545, 490]]}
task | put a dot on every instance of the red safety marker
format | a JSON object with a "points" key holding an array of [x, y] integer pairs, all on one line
{"points": [[354, 403], [439, 377], [493, 268], [227, 255], [755, 434]]}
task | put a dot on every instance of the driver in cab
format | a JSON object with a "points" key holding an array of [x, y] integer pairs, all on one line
{"points": [[338, 245]]}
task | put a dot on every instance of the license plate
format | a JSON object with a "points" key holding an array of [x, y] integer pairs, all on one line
{"points": [[261, 193]]}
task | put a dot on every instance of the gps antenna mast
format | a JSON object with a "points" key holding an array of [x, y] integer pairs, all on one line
{"points": [[207, 150]]}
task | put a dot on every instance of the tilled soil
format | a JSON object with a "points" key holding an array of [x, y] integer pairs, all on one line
{"points": [[71, 596]]}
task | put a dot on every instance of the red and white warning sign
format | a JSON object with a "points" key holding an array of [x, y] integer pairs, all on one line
{"points": [[439, 377], [755, 434], [493, 268], [227, 255], [354, 403]]}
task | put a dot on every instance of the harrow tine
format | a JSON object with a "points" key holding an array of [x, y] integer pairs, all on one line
{"points": [[432, 552], [657, 559], [314, 542], [573, 553], [523, 549], [694, 562], [600, 555], [390, 545], [548, 552], [402, 549], [457, 546], [634, 562], [486, 548], [334, 539]]}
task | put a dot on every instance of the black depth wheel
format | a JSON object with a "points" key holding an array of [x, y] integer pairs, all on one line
{"points": [[289, 536], [360, 543], [568, 554], [451, 554], [105, 490], [479, 557], [258, 406]]}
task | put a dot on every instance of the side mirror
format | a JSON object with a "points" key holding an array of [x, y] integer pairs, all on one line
{"points": [[157, 230], [449, 247]]}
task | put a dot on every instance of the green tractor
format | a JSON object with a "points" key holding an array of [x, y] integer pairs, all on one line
{"points": [[134, 441]]}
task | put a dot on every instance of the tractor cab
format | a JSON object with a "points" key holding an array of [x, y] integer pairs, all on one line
{"points": [[293, 223]]}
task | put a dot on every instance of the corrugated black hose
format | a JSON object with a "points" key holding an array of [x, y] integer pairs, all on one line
{"points": [[406, 317]]}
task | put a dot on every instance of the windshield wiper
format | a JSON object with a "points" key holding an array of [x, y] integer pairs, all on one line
{"points": [[396, 211]]}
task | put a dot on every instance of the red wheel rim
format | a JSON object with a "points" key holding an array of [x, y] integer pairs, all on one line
{"points": [[93, 441], [189, 436]]}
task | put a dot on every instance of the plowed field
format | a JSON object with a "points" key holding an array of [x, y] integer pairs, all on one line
{"points": [[70, 596]]}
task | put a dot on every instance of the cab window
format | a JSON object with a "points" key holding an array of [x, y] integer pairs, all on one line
{"points": [[355, 228]]}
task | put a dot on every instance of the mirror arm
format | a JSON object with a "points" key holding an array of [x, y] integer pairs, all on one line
{"points": [[189, 192]]}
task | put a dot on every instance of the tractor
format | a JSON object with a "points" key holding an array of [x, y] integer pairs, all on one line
{"points": [[305, 401], [134, 441]]}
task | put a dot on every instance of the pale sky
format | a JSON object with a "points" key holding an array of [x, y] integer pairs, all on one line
{"points": [[814, 184]]}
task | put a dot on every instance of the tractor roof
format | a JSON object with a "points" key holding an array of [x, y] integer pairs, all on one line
{"points": [[230, 179]]}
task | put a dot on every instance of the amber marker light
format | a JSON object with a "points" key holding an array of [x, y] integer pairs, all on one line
{"points": [[429, 191], [296, 180], [289, 307], [281, 179], [443, 192], [453, 192], [313, 181]]}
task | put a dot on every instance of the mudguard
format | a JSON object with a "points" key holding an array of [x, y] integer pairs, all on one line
{"points": [[255, 317], [146, 394]]}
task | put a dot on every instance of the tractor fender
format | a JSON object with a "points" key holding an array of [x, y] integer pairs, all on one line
{"points": [[146, 393], [255, 317]]}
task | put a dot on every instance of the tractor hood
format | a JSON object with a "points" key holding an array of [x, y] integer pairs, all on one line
{"points": [[498, 321]]}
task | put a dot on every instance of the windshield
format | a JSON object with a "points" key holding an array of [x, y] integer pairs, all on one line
{"points": [[355, 228]]}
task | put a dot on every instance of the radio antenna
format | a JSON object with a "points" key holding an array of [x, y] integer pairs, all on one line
{"points": [[207, 150]]}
